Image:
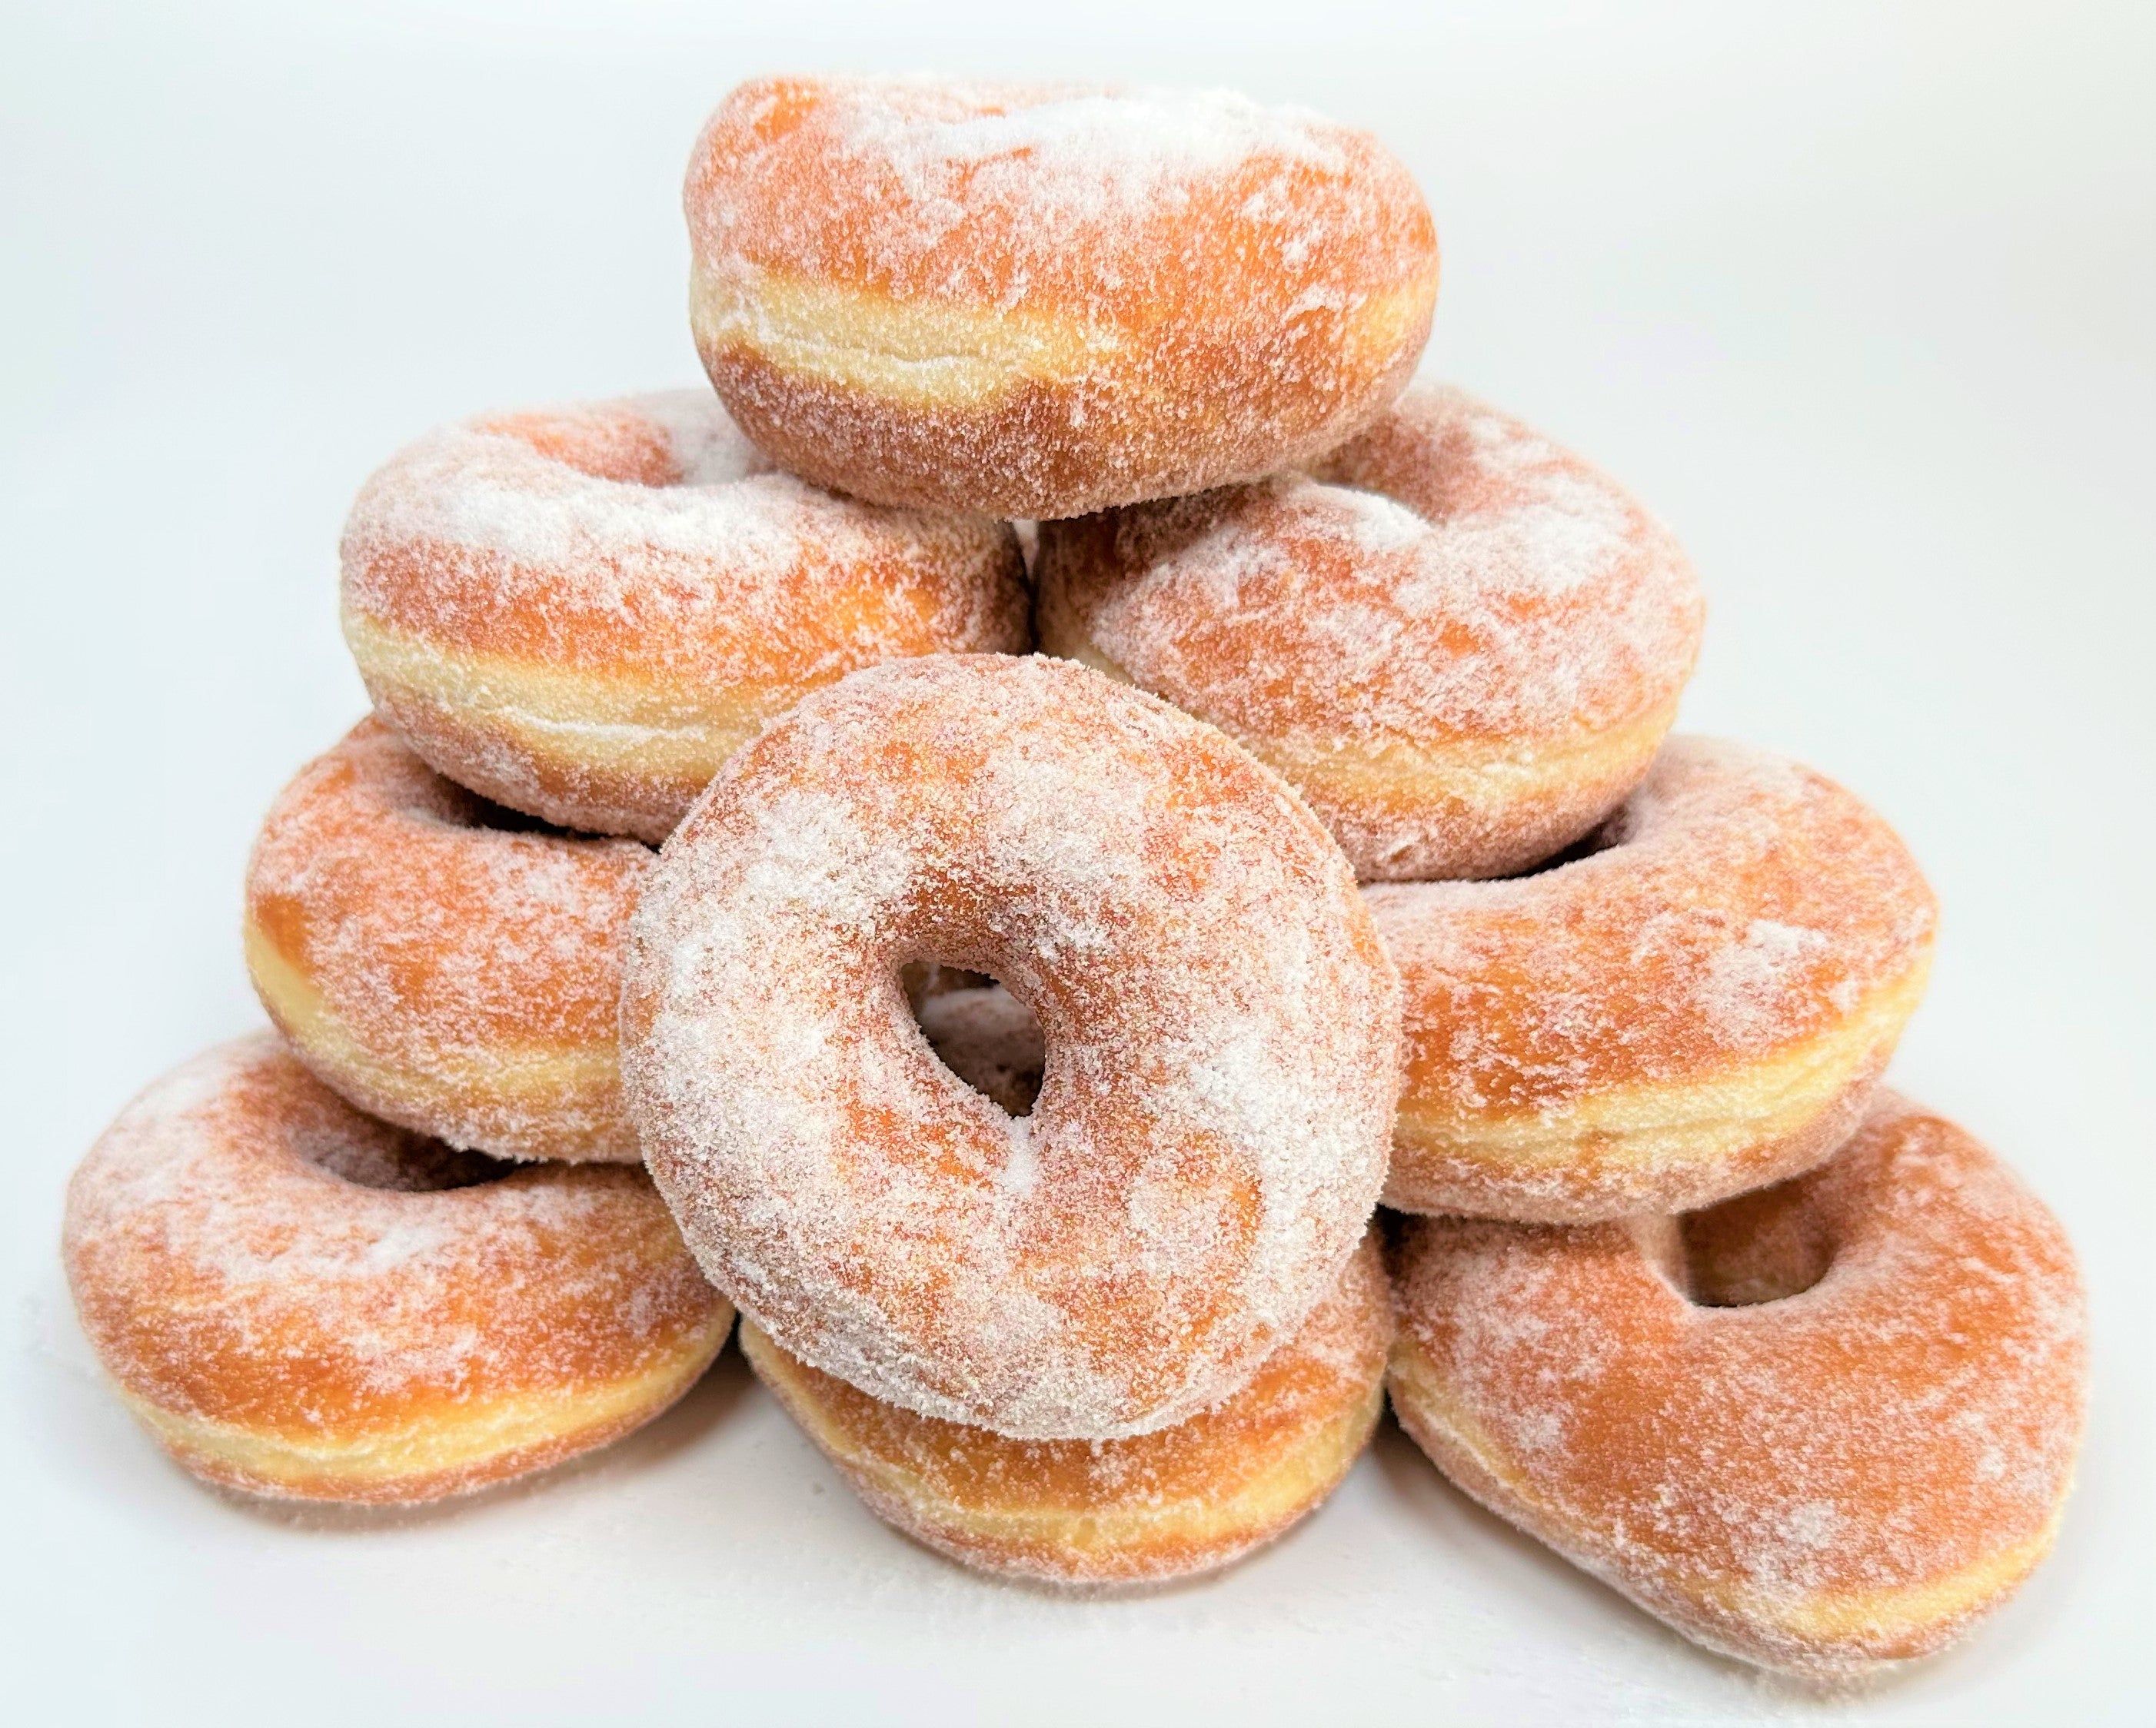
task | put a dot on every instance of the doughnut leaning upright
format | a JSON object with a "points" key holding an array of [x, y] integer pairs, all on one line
{"points": [[1222, 1029], [1036, 300]]}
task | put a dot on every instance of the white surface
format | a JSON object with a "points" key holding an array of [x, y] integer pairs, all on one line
{"points": [[1857, 296]]}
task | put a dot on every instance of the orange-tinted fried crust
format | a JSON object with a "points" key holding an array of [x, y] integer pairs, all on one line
{"points": [[1210, 1131], [300, 1302], [1461, 643], [440, 963], [580, 612], [1182, 1500], [1840, 1473], [1037, 300], [1698, 1005]]}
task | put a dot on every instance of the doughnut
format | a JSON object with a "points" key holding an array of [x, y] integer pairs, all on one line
{"points": [[1462, 643], [439, 961], [1822, 1426], [581, 612], [1181, 1500], [1034, 300], [984, 1035], [1220, 1022], [301, 1302], [1695, 1003]]}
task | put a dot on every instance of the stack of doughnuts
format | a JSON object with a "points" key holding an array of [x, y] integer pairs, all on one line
{"points": [[989, 842]]}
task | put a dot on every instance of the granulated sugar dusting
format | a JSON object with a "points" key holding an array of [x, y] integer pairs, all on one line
{"points": [[244, 1248], [581, 612], [1461, 643], [1220, 1028], [1843, 1476], [1011, 194], [648, 535], [456, 953], [1036, 300], [1448, 574], [1736, 903]]}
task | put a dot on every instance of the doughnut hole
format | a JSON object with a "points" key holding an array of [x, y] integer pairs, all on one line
{"points": [[1763, 1247], [1610, 836], [463, 809], [984, 1035], [604, 445], [371, 1154]]}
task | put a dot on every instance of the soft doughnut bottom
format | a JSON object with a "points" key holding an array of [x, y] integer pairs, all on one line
{"points": [[1178, 1501], [1811, 1639], [1503, 805], [1650, 1148], [576, 1091], [454, 1448]]}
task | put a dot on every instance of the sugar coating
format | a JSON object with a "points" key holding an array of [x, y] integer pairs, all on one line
{"points": [[1079, 295], [1449, 573], [1908, 1420], [245, 1248], [1011, 195], [1220, 1027], [1448, 586], [1063, 155], [653, 507], [603, 574], [1737, 904], [447, 943]]}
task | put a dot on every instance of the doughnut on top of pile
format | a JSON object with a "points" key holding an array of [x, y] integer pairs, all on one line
{"points": [[1037, 300]]}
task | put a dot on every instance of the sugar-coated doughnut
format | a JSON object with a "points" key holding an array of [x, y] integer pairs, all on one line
{"points": [[438, 961], [1221, 1026], [581, 612], [1039, 299], [1462, 643], [1697, 1006], [300, 1301], [1181, 1500], [1822, 1426]]}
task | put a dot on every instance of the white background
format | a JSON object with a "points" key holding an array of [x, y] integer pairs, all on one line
{"points": [[1858, 296]]}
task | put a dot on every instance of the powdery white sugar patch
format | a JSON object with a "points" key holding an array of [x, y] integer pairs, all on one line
{"points": [[432, 934], [494, 491], [1747, 983], [1449, 573], [1036, 174], [1083, 155], [1219, 1024], [706, 446], [654, 514]]}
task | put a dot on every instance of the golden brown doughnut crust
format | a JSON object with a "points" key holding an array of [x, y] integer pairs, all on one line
{"points": [[581, 612], [1181, 1500], [1698, 1005], [1034, 300], [300, 1301], [1461, 643], [1220, 1022], [1839, 1477], [439, 966]]}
